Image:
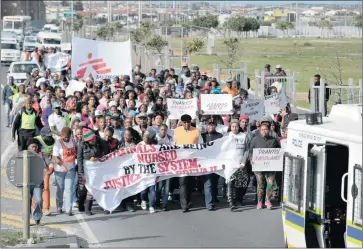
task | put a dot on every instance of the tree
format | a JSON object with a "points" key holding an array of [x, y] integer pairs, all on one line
{"points": [[193, 46], [208, 21], [78, 5], [325, 24], [232, 46], [284, 26], [235, 23], [254, 23], [108, 30], [140, 35], [358, 22], [77, 22], [157, 43]]}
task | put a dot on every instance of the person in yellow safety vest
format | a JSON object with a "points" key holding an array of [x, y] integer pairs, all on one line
{"points": [[58, 120], [46, 141], [25, 124], [8, 94]]}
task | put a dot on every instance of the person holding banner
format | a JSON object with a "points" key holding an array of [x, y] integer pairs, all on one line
{"points": [[263, 140], [186, 134]]}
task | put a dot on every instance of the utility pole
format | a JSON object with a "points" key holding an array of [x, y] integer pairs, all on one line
{"points": [[127, 15], [140, 15], [109, 11]]}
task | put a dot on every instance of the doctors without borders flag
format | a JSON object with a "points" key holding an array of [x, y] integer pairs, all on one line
{"points": [[128, 171], [100, 59]]}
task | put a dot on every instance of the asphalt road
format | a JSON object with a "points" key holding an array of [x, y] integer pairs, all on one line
{"points": [[246, 227]]}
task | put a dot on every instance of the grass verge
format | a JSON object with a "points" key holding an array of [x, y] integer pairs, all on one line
{"points": [[13, 238]]}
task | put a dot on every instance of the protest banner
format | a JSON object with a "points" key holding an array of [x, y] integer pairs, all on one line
{"points": [[282, 99], [57, 62], [216, 104], [128, 171], [267, 159], [254, 110], [179, 107], [272, 104], [73, 86], [100, 59]]}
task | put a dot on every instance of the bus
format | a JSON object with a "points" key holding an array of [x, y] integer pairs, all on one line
{"points": [[47, 40], [19, 24]]}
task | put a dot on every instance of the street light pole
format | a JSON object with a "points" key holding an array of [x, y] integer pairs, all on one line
{"points": [[140, 15]]}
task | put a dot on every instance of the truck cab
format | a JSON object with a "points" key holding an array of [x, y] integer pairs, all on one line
{"points": [[322, 180], [10, 50]]}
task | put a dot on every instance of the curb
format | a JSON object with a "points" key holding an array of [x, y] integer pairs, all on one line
{"points": [[72, 240]]}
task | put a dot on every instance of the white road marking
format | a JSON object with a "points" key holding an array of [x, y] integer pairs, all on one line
{"points": [[2, 86], [92, 240]]}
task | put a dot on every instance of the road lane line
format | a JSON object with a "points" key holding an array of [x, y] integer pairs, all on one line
{"points": [[92, 239], [20, 198]]}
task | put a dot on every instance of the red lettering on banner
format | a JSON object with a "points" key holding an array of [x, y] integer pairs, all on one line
{"points": [[157, 157], [177, 165], [121, 182]]}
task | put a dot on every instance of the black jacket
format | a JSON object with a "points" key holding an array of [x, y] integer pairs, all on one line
{"points": [[86, 151], [263, 142], [17, 123], [208, 137], [327, 92]]}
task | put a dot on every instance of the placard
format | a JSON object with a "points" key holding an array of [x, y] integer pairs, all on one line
{"points": [[179, 107], [272, 104], [267, 159], [254, 110], [216, 104]]}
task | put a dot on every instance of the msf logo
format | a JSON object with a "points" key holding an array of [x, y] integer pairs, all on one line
{"points": [[92, 68]]}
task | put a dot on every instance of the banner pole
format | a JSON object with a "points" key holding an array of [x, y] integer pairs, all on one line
{"points": [[26, 197]]}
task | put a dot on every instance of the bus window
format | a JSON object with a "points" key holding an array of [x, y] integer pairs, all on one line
{"points": [[8, 25], [8, 46], [18, 25], [51, 41]]}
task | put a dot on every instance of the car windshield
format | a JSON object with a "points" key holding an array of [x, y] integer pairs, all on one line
{"points": [[51, 41], [30, 39], [8, 34], [29, 48], [23, 68], [8, 46], [8, 24], [18, 25]]}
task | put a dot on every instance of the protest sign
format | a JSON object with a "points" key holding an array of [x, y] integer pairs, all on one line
{"points": [[254, 110], [179, 107], [100, 59], [128, 171], [73, 86], [267, 159], [216, 104], [57, 62], [272, 104], [282, 99]]}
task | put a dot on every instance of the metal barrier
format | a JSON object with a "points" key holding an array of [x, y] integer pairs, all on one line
{"points": [[341, 94], [288, 82], [241, 74]]}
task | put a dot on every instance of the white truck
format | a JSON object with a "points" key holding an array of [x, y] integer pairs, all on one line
{"points": [[10, 50]]}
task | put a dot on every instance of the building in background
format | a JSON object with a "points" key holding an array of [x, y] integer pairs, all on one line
{"points": [[33, 8]]}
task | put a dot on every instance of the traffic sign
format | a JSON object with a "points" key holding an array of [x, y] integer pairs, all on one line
{"points": [[14, 169], [68, 14]]}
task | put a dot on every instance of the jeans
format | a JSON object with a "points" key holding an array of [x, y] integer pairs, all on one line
{"points": [[210, 189], [75, 190], [8, 108], [65, 184], [36, 192], [152, 195], [162, 190]]}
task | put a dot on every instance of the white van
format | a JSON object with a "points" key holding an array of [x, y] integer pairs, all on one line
{"points": [[322, 180], [10, 50], [48, 27], [54, 30], [29, 43], [48, 40]]}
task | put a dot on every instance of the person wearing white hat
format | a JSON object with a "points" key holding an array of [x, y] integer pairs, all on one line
{"points": [[279, 71]]}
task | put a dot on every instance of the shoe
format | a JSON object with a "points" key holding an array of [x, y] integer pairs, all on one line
{"points": [[70, 214], [232, 207], [47, 213], [211, 209], [37, 222], [89, 213], [217, 200], [186, 210], [268, 205], [130, 208], [259, 205], [75, 205], [81, 208], [88, 206], [60, 211], [143, 205], [190, 205], [165, 209], [106, 212], [170, 197], [152, 210]]}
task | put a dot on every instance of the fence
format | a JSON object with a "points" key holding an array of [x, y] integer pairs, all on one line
{"points": [[240, 74], [341, 94], [288, 82]]}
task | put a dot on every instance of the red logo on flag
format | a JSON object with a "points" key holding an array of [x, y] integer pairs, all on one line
{"points": [[92, 67]]}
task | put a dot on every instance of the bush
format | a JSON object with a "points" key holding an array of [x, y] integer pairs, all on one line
{"points": [[307, 44]]}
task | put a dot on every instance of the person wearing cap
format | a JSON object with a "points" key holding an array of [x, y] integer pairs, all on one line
{"points": [[106, 92], [148, 138], [210, 180], [8, 94], [142, 123], [185, 73], [90, 147], [264, 140], [238, 183], [279, 71], [267, 75], [25, 123], [58, 119], [229, 89], [186, 134]]}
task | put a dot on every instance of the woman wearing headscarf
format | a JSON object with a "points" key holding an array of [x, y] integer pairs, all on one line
{"points": [[90, 147], [238, 183], [64, 154]]}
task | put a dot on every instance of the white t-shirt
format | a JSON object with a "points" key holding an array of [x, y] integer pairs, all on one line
{"points": [[58, 152], [58, 121]]}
